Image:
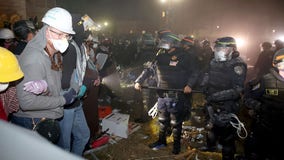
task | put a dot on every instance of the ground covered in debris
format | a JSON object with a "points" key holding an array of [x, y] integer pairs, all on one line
{"points": [[125, 99], [135, 147]]}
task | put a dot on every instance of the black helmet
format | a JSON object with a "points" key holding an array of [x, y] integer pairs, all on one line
{"points": [[22, 28], [224, 48], [163, 32], [279, 44], [169, 41], [278, 57], [226, 42], [187, 41]]}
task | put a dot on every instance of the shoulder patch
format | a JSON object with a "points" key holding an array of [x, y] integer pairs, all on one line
{"points": [[239, 70]]}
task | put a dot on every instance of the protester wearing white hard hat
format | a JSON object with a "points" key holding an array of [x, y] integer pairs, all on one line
{"points": [[39, 93], [7, 38], [60, 19]]}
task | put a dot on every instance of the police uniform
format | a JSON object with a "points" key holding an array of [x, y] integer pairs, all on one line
{"points": [[225, 85], [173, 71], [266, 98]]}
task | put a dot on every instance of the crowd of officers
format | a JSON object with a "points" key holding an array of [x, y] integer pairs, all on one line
{"points": [[50, 85], [181, 66]]}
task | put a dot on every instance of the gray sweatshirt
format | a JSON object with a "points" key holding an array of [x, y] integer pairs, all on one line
{"points": [[36, 65]]}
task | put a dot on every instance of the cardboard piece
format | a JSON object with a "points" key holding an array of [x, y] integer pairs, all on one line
{"points": [[117, 124]]}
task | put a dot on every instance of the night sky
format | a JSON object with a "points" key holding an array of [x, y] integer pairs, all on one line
{"points": [[254, 20], [184, 13]]}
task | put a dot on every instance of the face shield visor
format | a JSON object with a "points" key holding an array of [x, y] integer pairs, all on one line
{"points": [[280, 67], [223, 53], [163, 44]]}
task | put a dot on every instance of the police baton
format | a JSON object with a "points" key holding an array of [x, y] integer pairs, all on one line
{"points": [[169, 89]]}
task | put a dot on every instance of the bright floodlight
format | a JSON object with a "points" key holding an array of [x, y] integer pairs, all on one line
{"points": [[281, 38], [240, 42]]}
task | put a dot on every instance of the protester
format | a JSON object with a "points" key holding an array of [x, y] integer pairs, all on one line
{"points": [[39, 93], [24, 31], [10, 72], [74, 127], [30, 145], [7, 38]]}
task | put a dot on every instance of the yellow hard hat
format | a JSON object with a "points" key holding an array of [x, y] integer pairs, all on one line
{"points": [[9, 67]]}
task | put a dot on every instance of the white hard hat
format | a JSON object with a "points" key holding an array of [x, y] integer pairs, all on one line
{"points": [[60, 19], [6, 33]]}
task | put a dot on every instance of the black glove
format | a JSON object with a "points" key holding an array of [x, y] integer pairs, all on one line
{"points": [[69, 96]]}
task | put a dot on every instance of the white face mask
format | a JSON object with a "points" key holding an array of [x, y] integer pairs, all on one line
{"points": [[3, 86], [60, 44]]}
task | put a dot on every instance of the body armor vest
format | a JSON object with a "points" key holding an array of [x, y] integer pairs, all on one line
{"points": [[223, 75], [274, 88]]}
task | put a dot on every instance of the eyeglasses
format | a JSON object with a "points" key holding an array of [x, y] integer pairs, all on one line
{"points": [[61, 35]]}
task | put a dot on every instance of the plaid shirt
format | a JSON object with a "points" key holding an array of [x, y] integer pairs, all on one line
{"points": [[10, 100]]}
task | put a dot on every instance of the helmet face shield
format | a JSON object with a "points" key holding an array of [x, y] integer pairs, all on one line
{"points": [[223, 53], [280, 66], [163, 44]]}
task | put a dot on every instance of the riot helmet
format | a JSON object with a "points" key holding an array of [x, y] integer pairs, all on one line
{"points": [[224, 48], [278, 44], [278, 61], [163, 32], [278, 58], [169, 41], [187, 41]]}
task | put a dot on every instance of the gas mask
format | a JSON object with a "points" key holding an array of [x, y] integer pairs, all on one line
{"points": [[3, 86], [60, 44]]}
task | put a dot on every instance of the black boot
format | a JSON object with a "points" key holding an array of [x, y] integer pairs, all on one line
{"points": [[176, 147], [161, 143], [157, 145]]}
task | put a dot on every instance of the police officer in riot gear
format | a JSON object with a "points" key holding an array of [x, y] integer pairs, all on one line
{"points": [[264, 99], [224, 86], [173, 71]]}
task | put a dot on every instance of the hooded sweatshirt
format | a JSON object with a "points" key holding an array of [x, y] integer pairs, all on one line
{"points": [[36, 65]]}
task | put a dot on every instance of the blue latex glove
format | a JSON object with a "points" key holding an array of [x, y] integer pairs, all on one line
{"points": [[82, 91], [36, 87], [69, 96]]}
